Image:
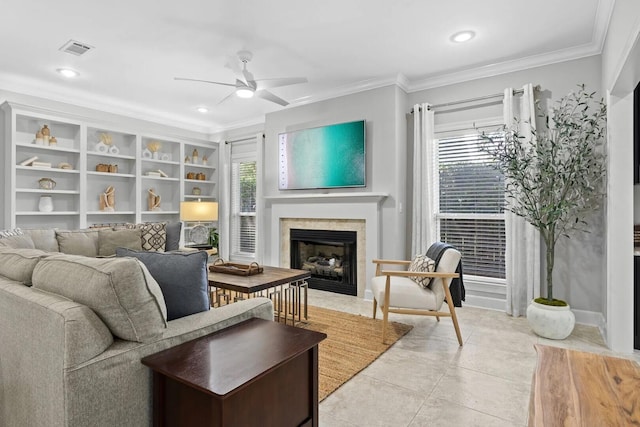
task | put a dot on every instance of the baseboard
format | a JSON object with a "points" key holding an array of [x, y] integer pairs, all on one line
{"points": [[591, 318], [484, 302]]}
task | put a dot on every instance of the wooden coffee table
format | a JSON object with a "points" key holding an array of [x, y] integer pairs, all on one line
{"points": [[285, 286], [255, 373]]}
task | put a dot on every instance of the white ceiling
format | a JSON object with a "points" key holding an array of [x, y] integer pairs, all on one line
{"points": [[341, 46]]}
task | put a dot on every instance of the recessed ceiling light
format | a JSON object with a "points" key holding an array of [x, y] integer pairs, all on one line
{"points": [[68, 72], [244, 92], [463, 36], [202, 110]]}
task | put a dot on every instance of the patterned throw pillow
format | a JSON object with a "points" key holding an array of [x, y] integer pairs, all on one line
{"points": [[10, 233], [154, 236], [422, 263]]}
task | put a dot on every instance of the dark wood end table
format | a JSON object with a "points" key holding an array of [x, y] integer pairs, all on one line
{"points": [[255, 373]]}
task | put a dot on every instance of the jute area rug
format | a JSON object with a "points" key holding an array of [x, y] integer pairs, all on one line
{"points": [[352, 343]]}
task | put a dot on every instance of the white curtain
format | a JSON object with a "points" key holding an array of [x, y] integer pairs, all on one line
{"points": [[424, 156], [522, 239]]}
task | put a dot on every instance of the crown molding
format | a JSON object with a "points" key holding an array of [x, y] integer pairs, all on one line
{"points": [[505, 67], [110, 105], [601, 24]]}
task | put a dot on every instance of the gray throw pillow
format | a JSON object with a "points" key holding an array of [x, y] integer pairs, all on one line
{"points": [[183, 278], [109, 240], [173, 236]]}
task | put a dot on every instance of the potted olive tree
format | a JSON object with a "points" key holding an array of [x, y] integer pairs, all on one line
{"points": [[554, 178]]}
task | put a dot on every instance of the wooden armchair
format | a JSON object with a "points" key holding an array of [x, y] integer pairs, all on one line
{"points": [[396, 292]]}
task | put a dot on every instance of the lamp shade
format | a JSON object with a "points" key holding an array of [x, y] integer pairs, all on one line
{"points": [[199, 211]]}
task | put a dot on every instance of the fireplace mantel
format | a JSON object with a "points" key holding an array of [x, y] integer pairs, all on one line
{"points": [[357, 206], [361, 197]]}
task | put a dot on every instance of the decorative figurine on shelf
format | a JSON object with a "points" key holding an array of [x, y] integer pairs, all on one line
{"points": [[154, 146], [108, 200], [187, 159], [47, 183], [204, 160], [46, 134], [194, 156], [53, 142], [153, 201], [39, 138]]}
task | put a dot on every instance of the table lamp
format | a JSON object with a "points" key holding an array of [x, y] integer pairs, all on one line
{"points": [[199, 212]]}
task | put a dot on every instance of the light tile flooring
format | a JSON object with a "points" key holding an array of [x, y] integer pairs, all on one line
{"points": [[426, 379]]}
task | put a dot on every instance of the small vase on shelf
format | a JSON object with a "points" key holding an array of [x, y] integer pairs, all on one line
{"points": [[45, 204]]}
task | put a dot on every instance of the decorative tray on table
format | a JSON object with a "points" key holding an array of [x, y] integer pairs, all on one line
{"points": [[238, 269]]}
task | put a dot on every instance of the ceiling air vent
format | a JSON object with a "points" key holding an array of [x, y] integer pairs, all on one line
{"points": [[75, 48]]}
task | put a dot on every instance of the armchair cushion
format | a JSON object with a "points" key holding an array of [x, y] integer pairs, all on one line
{"points": [[405, 293], [422, 264]]}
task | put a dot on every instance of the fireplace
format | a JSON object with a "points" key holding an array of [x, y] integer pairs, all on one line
{"points": [[330, 256]]}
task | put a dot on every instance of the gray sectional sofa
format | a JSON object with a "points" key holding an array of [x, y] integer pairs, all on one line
{"points": [[73, 329]]}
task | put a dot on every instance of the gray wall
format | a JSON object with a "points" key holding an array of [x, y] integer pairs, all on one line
{"points": [[386, 157], [579, 269]]}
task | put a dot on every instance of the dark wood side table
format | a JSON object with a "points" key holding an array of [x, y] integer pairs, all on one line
{"points": [[255, 373]]}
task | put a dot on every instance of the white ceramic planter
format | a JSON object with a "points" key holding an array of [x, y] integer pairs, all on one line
{"points": [[549, 321]]}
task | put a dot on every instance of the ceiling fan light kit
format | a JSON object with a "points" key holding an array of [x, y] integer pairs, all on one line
{"points": [[245, 92], [246, 86]]}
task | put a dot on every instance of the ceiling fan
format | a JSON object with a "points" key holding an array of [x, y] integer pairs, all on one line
{"points": [[246, 86]]}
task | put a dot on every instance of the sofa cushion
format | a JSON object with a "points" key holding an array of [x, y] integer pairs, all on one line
{"points": [[183, 279], [120, 290], [18, 264], [44, 239], [78, 242], [109, 240], [173, 236], [17, 242]]}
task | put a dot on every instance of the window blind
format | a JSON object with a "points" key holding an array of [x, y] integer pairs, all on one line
{"points": [[471, 204], [243, 205]]}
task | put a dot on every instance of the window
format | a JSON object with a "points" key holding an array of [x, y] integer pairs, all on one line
{"points": [[470, 208], [243, 202]]}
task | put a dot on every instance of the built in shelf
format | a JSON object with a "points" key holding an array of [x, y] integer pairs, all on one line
{"points": [[160, 178], [48, 148], [329, 198], [110, 174], [160, 212], [198, 181], [51, 169], [111, 213], [192, 165], [115, 156], [164, 162], [38, 213], [44, 191]]}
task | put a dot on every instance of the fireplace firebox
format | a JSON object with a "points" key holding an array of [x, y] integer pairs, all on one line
{"points": [[330, 256]]}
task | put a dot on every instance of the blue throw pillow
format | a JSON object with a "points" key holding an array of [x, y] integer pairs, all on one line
{"points": [[182, 277]]}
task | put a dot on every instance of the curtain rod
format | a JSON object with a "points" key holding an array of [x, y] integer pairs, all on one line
{"points": [[248, 138], [479, 98]]}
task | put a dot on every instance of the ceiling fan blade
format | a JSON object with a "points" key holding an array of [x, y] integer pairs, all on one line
{"points": [[264, 94], [286, 81], [204, 81], [227, 97]]}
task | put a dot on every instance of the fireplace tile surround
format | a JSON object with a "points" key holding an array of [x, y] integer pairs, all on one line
{"points": [[359, 212]]}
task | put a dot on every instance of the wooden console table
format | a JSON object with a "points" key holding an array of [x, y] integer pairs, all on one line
{"points": [[255, 373], [575, 388]]}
